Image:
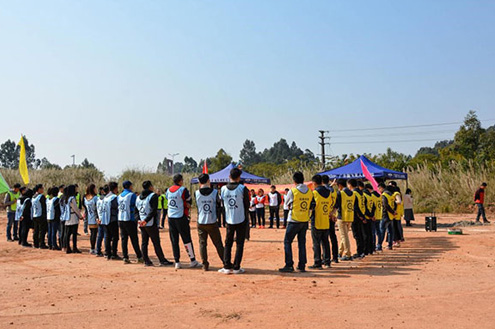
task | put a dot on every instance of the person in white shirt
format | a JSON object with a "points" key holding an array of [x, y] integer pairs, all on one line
{"points": [[286, 207], [252, 208], [274, 199], [408, 207], [260, 201]]}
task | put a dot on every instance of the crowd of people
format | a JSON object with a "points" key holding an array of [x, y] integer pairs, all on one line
{"points": [[110, 215]]}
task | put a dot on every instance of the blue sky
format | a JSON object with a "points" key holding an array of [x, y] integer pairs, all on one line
{"points": [[124, 83]]}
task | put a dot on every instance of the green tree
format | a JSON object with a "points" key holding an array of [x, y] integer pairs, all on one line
{"points": [[220, 161], [248, 154], [45, 164], [87, 165], [9, 154], [468, 137], [190, 165]]}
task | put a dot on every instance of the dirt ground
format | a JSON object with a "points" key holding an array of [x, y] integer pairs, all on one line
{"points": [[433, 281]]}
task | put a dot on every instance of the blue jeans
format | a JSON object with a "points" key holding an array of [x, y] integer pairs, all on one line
{"points": [[293, 230], [386, 226], [11, 223], [377, 234], [52, 233], [102, 234]]}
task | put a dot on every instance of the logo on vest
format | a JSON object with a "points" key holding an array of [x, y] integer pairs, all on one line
{"points": [[350, 206], [207, 208], [232, 203], [325, 208], [173, 203], [304, 206]]}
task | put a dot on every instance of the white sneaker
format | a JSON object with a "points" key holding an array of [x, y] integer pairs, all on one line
{"points": [[225, 271], [195, 264], [239, 271], [178, 266]]}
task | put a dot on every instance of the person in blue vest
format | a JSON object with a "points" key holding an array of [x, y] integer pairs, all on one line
{"points": [[145, 214], [24, 217], [207, 200], [40, 224], [90, 203], [179, 203], [127, 222], [53, 217], [111, 211], [102, 234], [235, 197], [10, 202], [71, 215]]}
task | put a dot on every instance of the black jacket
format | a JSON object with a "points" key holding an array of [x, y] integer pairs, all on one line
{"points": [[153, 205]]}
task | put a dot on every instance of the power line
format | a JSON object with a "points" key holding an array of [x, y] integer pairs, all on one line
{"points": [[409, 133], [411, 126], [390, 141]]}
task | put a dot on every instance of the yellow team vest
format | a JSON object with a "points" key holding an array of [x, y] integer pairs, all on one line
{"points": [[361, 201], [399, 207], [323, 208], [369, 204], [347, 206], [391, 203], [377, 200], [300, 205]]}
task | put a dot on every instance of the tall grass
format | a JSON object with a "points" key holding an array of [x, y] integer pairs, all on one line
{"points": [[449, 189]]}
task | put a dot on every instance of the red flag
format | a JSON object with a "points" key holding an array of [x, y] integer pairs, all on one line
{"points": [[205, 168], [369, 177]]}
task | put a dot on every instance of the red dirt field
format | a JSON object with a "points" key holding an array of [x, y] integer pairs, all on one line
{"points": [[433, 281]]}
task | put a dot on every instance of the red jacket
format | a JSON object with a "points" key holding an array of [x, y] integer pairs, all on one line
{"points": [[479, 196]]}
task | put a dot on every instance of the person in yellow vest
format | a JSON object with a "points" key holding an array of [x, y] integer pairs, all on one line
{"points": [[369, 215], [377, 214], [299, 199], [345, 207], [321, 209], [10, 202], [388, 213], [399, 206], [163, 202], [160, 207], [333, 218], [359, 219]]}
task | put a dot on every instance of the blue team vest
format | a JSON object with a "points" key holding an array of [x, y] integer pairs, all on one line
{"points": [[144, 208], [20, 209], [125, 207], [65, 210], [106, 209], [207, 207], [91, 209], [36, 206], [50, 208], [234, 204], [175, 203]]}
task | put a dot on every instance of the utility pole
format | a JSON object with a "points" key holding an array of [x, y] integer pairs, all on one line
{"points": [[173, 160], [322, 143], [73, 160]]}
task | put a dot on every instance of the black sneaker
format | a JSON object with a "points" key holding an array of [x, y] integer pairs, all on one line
{"points": [[166, 263], [301, 269], [127, 261], [315, 267], [150, 264], [99, 254], [486, 222], [16, 238], [335, 260], [27, 245], [116, 257], [43, 247], [286, 269]]}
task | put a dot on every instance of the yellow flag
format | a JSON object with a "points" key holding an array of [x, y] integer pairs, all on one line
{"points": [[23, 169]]}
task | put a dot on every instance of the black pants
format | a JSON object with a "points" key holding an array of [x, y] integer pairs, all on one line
{"points": [[320, 239], [221, 217], [129, 230], [237, 232], [71, 231], [481, 212], [40, 226], [368, 237], [147, 233], [397, 230], [24, 226], [274, 214], [334, 241], [164, 215], [112, 240], [180, 227], [252, 216], [92, 237], [211, 230], [286, 215], [62, 234], [358, 233], [295, 229], [260, 212]]}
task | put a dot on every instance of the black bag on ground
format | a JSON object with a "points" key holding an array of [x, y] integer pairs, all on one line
{"points": [[431, 223]]}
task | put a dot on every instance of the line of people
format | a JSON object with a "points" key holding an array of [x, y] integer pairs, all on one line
{"points": [[112, 216]]}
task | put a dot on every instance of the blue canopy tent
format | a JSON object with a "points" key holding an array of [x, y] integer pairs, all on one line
{"points": [[222, 176], [353, 170]]}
